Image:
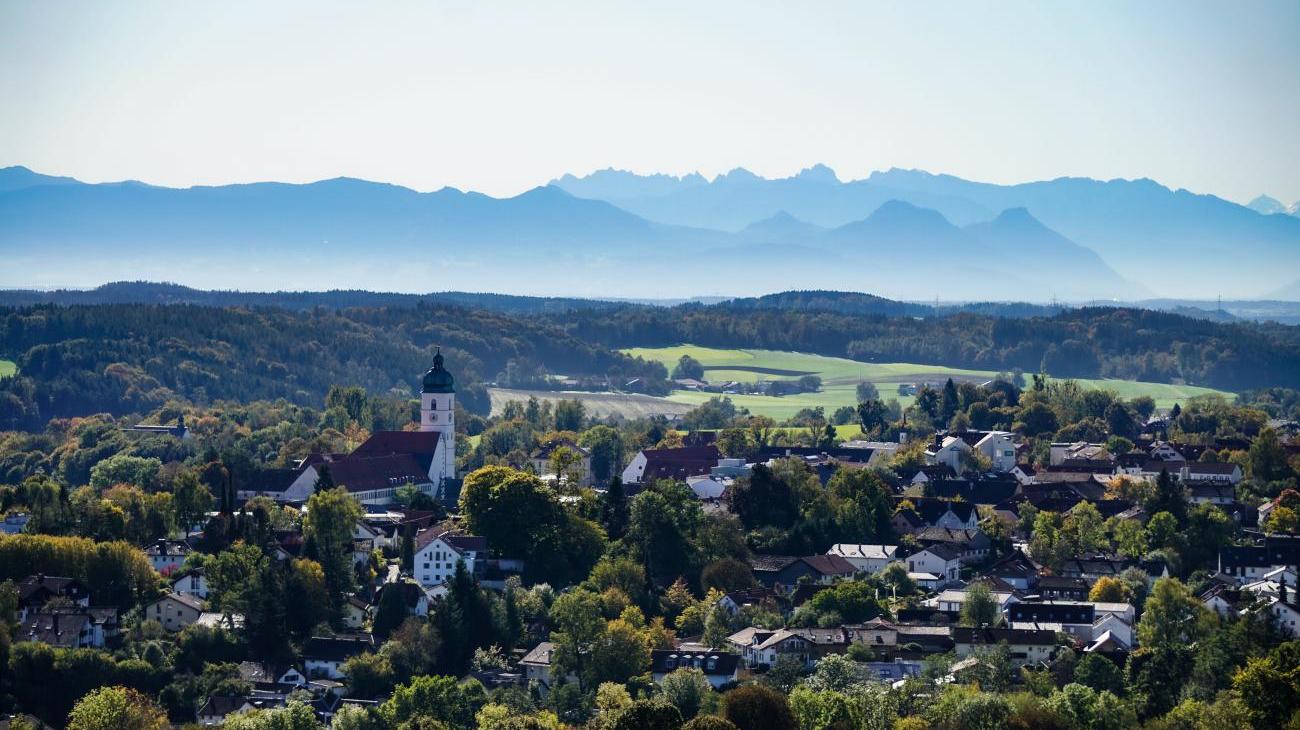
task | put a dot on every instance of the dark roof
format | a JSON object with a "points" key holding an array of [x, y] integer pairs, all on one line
{"points": [[379, 472], [41, 587], [383, 443], [459, 541], [56, 628], [274, 480], [437, 379], [991, 636], [690, 461], [829, 564], [931, 510], [804, 593], [1016, 564], [945, 550], [1211, 467], [768, 453], [1060, 582], [1050, 613], [932, 535], [337, 648], [724, 663], [982, 491], [222, 705], [163, 548]]}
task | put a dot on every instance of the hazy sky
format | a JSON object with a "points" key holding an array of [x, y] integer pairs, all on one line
{"points": [[499, 97]]}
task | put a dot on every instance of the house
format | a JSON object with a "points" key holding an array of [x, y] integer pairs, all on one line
{"points": [[1073, 618], [356, 612], [35, 591], [192, 582], [1114, 625], [986, 489], [1057, 587], [259, 673], [941, 559], [952, 600], [1286, 614], [928, 512], [14, 523], [719, 667], [323, 656], [439, 548], [540, 459], [1016, 569], [784, 572], [413, 595], [950, 451], [1202, 472], [1000, 449], [1060, 451], [973, 543], [537, 666], [651, 465], [167, 555], [214, 712], [869, 559], [762, 647], [1028, 646], [734, 601], [175, 611], [922, 474], [70, 627]]}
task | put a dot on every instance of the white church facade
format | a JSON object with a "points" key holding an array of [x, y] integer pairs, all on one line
{"points": [[390, 460]]}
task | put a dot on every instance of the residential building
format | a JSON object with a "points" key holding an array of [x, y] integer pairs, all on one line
{"points": [[869, 559]]}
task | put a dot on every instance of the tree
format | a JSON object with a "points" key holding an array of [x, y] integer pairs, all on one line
{"points": [[137, 471], [116, 708], [764, 498], [1162, 531], [1270, 694], [1083, 529], [606, 447], [648, 715], [950, 402], [1129, 537], [756, 707], [1268, 458], [688, 368], [391, 611], [688, 690], [980, 607], [569, 415], [191, 499], [1119, 421], [872, 415], [709, 722], [1169, 496], [1099, 673], [1172, 617], [1110, 590], [578, 625], [331, 518], [727, 574], [866, 390], [441, 698], [717, 626], [1035, 420], [324, 480]]}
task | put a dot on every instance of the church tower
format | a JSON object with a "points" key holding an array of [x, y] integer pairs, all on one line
{"points": [[438, 412]]}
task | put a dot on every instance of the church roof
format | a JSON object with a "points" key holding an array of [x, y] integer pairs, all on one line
{"points": [[437, 379], [382, 443]]}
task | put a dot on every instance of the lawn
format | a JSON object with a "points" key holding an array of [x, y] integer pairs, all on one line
{"points": [[628, 405], [7, 368], [840, 377]]}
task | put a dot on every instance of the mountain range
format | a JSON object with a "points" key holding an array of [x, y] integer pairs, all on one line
{"points": [[902, 234]]}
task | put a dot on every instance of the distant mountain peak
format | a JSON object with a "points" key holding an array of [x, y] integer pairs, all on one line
{"points": [[1266, 205], [818, 173], [1019, 217], [737, 175]]}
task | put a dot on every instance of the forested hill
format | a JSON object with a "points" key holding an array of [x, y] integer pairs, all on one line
{"points": [[1090, 342], [146, 292], [126, 358]]}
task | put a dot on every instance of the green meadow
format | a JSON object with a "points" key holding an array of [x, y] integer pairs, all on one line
{"points": [[7, 368], [840, 377]]}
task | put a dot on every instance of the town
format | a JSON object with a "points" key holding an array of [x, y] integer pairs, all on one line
{"points": [[994, 555]]}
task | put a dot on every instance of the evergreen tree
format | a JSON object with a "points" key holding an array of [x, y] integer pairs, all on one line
{"points": [[951, 402], [324, 480], [391, 611], [408, 547], [614, 509]]}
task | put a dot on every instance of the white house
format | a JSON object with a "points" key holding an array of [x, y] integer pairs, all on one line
{"points": [[167, 555], [1286, 615], [438, 550], [175, 611], [192, 582], [323, 656], [949, 453], [1000, 448], [942, 559], [869, 559], [1027, 646], [719, 667]]}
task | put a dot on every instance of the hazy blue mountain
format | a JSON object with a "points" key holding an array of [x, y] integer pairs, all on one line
{"points": [[18, 177], [353, 234], [734, 200], [1264, 205], [1288, 293], [1175, 241]]}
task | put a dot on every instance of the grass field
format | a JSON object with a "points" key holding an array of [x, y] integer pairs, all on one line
{"points": [[7, 368], [840, 377]]}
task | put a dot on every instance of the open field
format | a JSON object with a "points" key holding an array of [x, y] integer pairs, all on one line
{"points": [[628, 405], [840, 377], [7, 368]]}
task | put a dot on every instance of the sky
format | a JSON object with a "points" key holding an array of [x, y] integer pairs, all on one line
{"points": [[502, 96]]}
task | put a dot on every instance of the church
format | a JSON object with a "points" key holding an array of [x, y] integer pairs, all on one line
{"points": [[389, 460]]}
